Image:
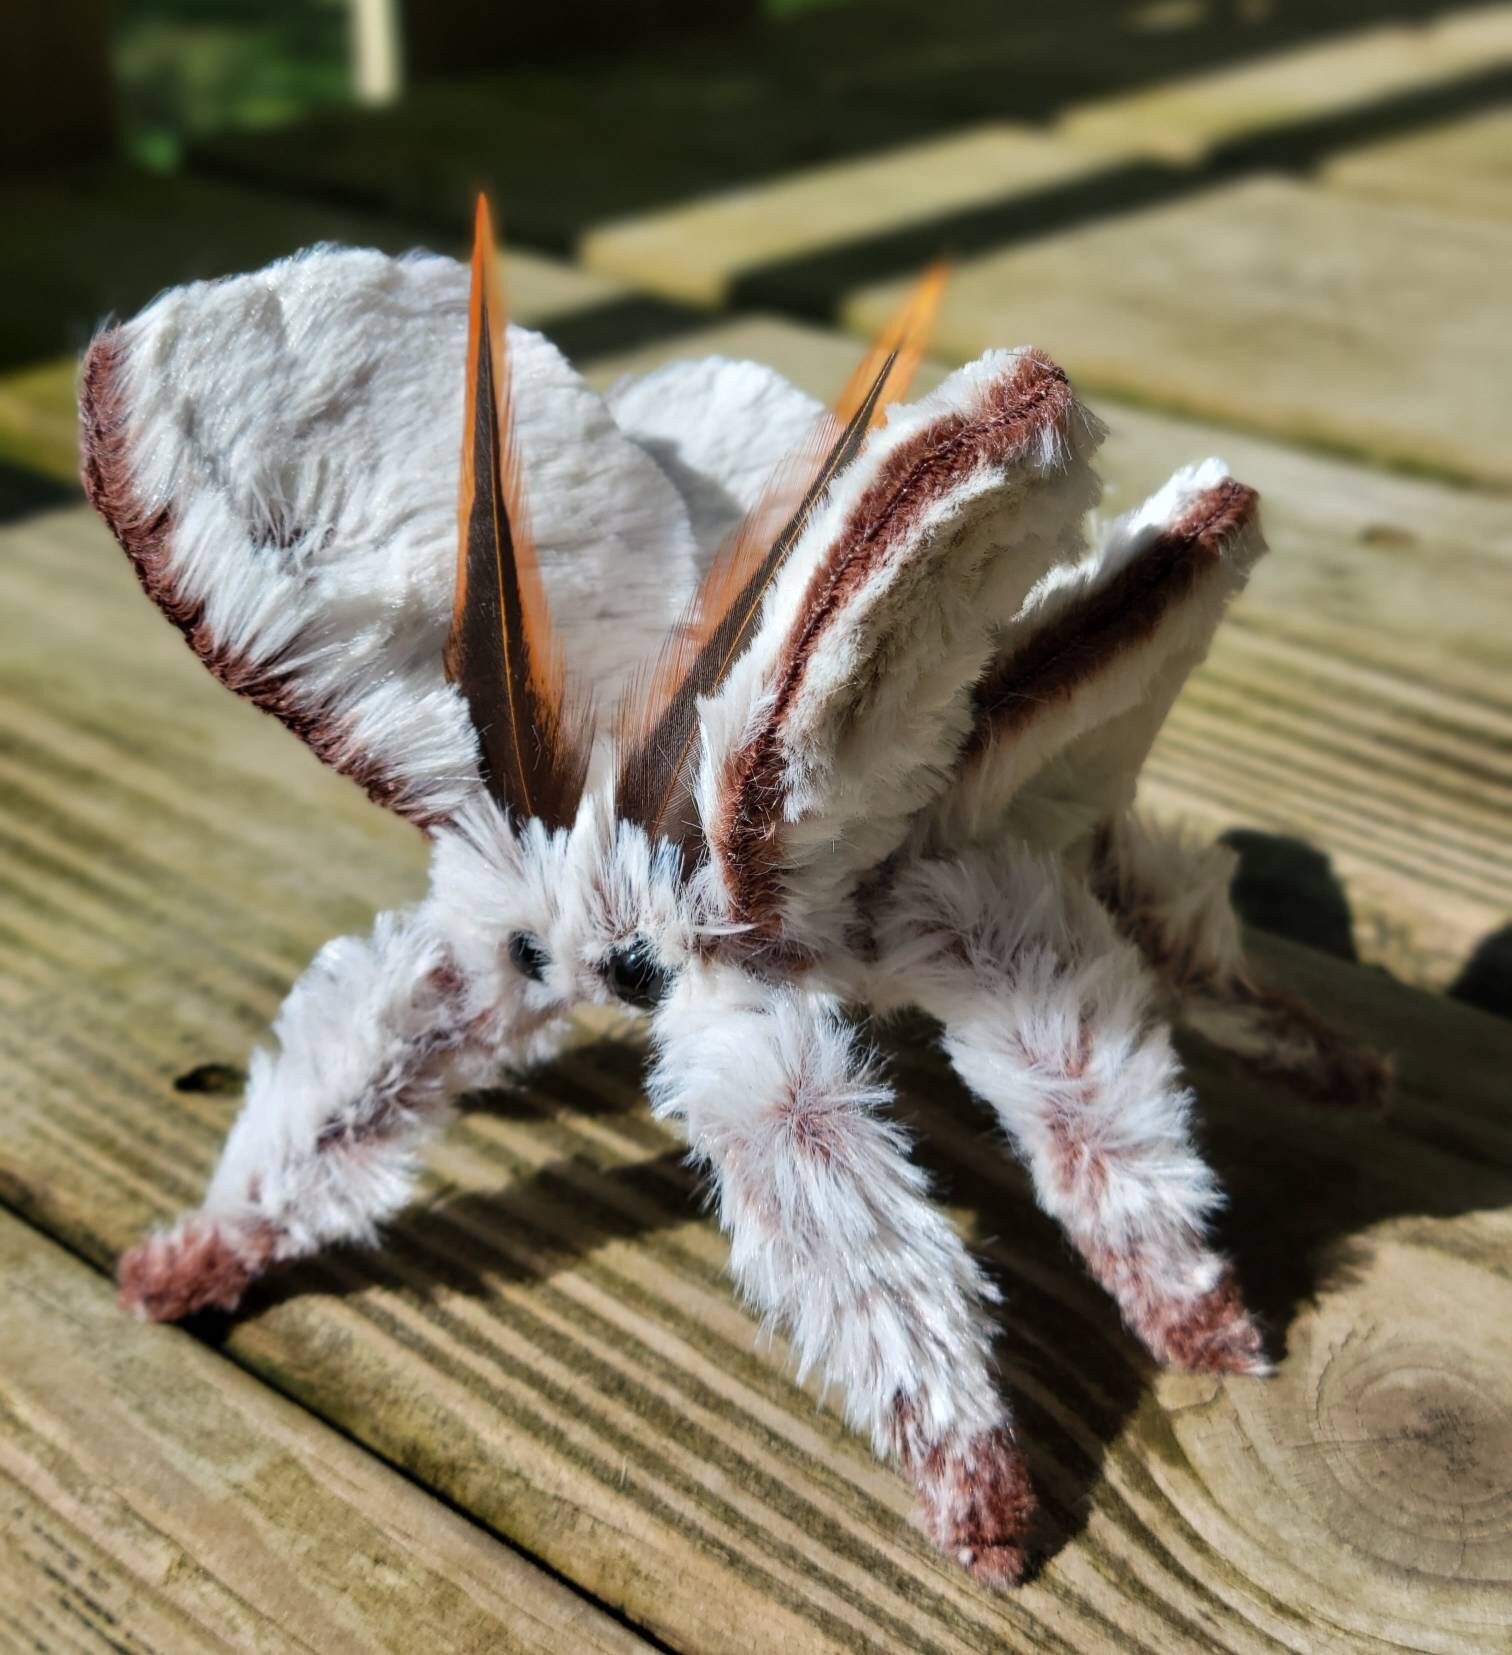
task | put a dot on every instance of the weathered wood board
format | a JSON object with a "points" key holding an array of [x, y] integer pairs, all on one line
{"points": [[1188, 117], [624, 133], [153, 1496], [549, 1341], [1356, 697], [681, 115], [39, 418], [1465, 165], [1336, 318], [1271, 306], [698, 250]]}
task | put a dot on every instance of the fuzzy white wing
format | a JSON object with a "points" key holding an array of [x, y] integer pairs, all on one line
{"points": [[1084, 676], [719, 428], [844, 717], [278, 455]]}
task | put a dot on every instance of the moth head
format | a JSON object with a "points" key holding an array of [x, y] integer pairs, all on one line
{"points": [[632, 969], [552, 918]]}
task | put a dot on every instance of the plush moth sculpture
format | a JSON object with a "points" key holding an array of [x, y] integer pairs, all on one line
{"points": [[869, 716]]}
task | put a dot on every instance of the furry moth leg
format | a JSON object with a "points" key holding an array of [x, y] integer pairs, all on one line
{"points": [[833, 1237], [1047, 1017], [1170, 897], [372, 1045]]}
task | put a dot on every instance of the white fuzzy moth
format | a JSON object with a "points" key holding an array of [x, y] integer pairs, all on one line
{"points": [[886, 757]]}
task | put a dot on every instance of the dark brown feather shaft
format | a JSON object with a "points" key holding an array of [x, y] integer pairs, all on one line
{"points": [[655, 780]]}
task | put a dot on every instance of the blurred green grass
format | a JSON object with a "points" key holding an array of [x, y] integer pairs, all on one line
{"points": [[189, 68]]}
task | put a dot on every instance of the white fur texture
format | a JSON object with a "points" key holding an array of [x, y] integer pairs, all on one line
{"points": [[1076, 762], [1049, 1018], [303, 425], [1170, 894], [832, 1234], [883, 704], [324, 1148], [719, 429]]}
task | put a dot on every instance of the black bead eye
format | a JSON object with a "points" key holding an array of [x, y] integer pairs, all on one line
{"points": [[528, 957], [634, 975]]}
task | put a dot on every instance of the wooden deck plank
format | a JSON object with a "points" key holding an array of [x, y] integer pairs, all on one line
{"points": [[39, 419], [1465, 165], [1186, 118], [704, 113], [549, 1342], [698, 250], [623, 132], [1355, 698], [153, 1496], [1349, 324], [798, 240], [1092, 232]]}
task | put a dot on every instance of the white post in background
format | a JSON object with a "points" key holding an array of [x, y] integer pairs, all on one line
{"points": [[377, 57]]}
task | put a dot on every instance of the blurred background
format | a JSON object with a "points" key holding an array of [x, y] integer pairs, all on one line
{"points": [[1279, 230]]}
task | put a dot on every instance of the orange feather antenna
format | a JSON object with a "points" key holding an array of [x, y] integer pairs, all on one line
{"points": [[657, 735], [501, 653], [907, 336]]}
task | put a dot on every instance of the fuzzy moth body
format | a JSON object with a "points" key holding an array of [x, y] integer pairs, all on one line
{"points": [[872, 718]]}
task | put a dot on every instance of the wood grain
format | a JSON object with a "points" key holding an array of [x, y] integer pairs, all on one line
{"points": [[696, 250], [1184, 118], [549, 1341], [1354, 325], [1464, 164], [153, 1496]]}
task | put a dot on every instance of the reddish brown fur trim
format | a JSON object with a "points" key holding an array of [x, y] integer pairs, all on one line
{"points": [[1335, 1072], [1036, 397], [1211, 1333], [817, 1130], [1052, 665], [145, 535], [1215, 1333], [975, 1498], [105, 471], [410, 1095], [196, 1267], [1338, 1073]]}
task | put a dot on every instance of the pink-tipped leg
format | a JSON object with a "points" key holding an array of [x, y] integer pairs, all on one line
{"points": [[1211, 1331], [1170, 898], [1049, 1018], [976, 1503], [834, 1237], [198, 1265]]}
